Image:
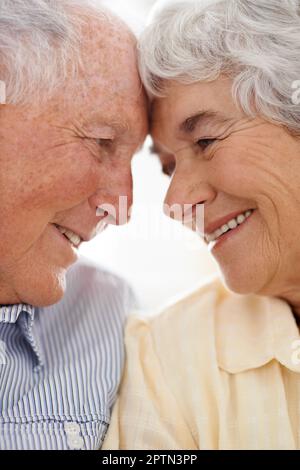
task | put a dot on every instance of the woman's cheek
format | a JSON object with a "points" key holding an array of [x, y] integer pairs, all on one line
{"points": [[232, 174]]}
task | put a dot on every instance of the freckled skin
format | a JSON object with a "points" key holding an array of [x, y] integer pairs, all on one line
{"points": [[54, 171], [254, 164]]}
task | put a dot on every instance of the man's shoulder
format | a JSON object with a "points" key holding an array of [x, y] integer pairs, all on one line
{"points": [[86, 275], [95, 290]]}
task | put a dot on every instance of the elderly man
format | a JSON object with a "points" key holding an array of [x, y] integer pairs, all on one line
{"points": [[75, 113]]}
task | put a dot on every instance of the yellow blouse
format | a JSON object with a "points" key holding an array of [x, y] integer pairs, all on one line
{"points": [[217, 370]]}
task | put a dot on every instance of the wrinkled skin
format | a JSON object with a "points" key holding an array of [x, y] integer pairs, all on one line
{"points": [[62, 160], [233, 164]]}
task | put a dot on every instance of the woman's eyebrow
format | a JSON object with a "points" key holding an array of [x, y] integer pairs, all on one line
{"points": [[189, 125]]}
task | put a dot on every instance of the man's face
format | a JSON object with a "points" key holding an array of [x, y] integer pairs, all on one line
{"points": [[233, 164], [59, 163]]}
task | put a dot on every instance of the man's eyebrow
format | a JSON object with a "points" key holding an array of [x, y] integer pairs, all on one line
{"points": [[189, 125], [96, 121]]}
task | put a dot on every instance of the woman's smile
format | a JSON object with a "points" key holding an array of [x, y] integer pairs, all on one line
{"points": [[226, 233]]}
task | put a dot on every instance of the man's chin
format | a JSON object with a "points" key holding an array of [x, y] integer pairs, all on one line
{"points": [[46, 289]]}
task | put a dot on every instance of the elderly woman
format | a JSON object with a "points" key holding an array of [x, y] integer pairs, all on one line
{"points": [[221, 368]]}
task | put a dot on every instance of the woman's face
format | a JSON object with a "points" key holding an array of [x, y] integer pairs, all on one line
{"points": [[231, 164]]}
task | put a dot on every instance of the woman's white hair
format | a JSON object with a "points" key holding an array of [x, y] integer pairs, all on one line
{"points": [[40, 45], [255, 42]]}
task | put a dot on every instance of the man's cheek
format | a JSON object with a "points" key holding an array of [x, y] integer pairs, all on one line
{"points": [[66, 188], [17, 240], [76, 187]]}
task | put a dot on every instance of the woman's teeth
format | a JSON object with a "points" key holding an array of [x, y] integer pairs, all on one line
{"points": [[72, 237], [232, 224]]}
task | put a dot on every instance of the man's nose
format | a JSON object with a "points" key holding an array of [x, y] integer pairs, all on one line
{"points": [[122, 184], [115, 199]]}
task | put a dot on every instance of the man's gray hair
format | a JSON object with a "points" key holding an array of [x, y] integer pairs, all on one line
{"points": [[254, 42], [40, 45]]}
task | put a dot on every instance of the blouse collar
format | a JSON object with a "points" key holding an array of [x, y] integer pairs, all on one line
{"points": [[253, 330]]}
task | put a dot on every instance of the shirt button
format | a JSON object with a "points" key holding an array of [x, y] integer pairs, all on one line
{"points": [[75, 440], [76, 443], [72, 428]]}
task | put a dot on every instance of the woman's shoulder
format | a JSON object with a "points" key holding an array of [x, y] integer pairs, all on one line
{"points": [[181, 329], [181, 363], [187, 312], [211, 321], [211, 299]]}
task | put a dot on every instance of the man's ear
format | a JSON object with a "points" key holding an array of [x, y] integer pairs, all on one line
{"points": [[2, 92]]}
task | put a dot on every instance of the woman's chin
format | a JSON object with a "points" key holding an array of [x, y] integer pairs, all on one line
{"points": [[242, 280]]}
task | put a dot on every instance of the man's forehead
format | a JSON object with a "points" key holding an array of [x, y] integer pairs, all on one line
{"points": [[106, 30], [108, 49], [96, 100]]}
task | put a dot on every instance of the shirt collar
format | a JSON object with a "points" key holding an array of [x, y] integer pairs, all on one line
{"points": [[11, 313], [253, 330], [24, 315]]}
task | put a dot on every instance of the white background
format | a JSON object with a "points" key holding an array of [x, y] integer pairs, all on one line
{"points": [[160, 258]]}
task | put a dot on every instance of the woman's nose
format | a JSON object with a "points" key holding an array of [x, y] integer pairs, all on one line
{"points": [[188, 190]]}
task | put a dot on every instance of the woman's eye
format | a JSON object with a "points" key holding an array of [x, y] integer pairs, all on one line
{"points": [[204, 143]]}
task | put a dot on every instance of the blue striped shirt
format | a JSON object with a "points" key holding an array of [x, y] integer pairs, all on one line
{"points": [[60, 366]]}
